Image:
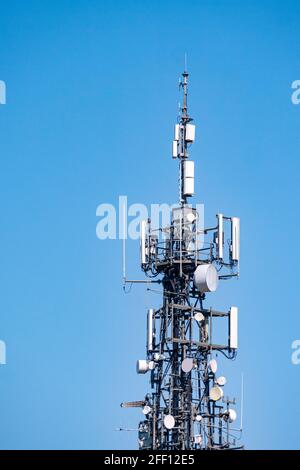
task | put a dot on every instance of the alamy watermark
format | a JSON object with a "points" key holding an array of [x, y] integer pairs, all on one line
{"points": [[295, 96], [2, 92], [295, 357], [2, 353], [123, 222]]}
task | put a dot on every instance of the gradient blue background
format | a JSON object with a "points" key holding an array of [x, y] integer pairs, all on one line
{"points": [[91, 102]]}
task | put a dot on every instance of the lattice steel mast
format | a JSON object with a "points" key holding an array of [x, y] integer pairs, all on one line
{"points": [[187, 408]]}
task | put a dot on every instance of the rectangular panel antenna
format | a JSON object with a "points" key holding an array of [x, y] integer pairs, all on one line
{"points": [[233, 328], [176, 132], [188, 178], [190, 132], [220, 240], [235, 238], [150, 329], [175, 149]]}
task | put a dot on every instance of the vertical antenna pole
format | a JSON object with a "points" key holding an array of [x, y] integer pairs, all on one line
{"points": [[184, 119]]}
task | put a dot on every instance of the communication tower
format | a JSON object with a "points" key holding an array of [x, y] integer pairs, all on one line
{"points": [[186, 408]]}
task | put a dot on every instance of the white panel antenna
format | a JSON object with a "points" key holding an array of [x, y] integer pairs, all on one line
{"points": [[190, 133], [233, 328], [143, 247], [175, 149], [235, 238], [188, 178], [188, 187], [220, 239], [189, 169], [150, 329]]}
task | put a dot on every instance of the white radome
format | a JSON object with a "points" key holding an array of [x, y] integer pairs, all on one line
{"points": [[190, 217], [216, 393], [142, 366], [146, 410], [206, 278], [221, 381], [169, 421], [187, 364], [199, 316], [232, 415], [213, 365]]}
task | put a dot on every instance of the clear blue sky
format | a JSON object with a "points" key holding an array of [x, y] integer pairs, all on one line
{"points": [[91, 102]]}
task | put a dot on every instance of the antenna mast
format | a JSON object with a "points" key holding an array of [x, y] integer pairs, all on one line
{"points": [[183, 122], [186, 408]]}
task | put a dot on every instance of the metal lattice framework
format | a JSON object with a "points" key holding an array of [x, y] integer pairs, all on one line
{"points": [[187, 408]]}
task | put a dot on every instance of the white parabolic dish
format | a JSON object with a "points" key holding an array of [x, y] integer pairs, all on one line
{"points": [[206, 278], [169, 421], [232, 415], [213, 365], [221, 380], [215, 393], [146, 410], [187, 364]]}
